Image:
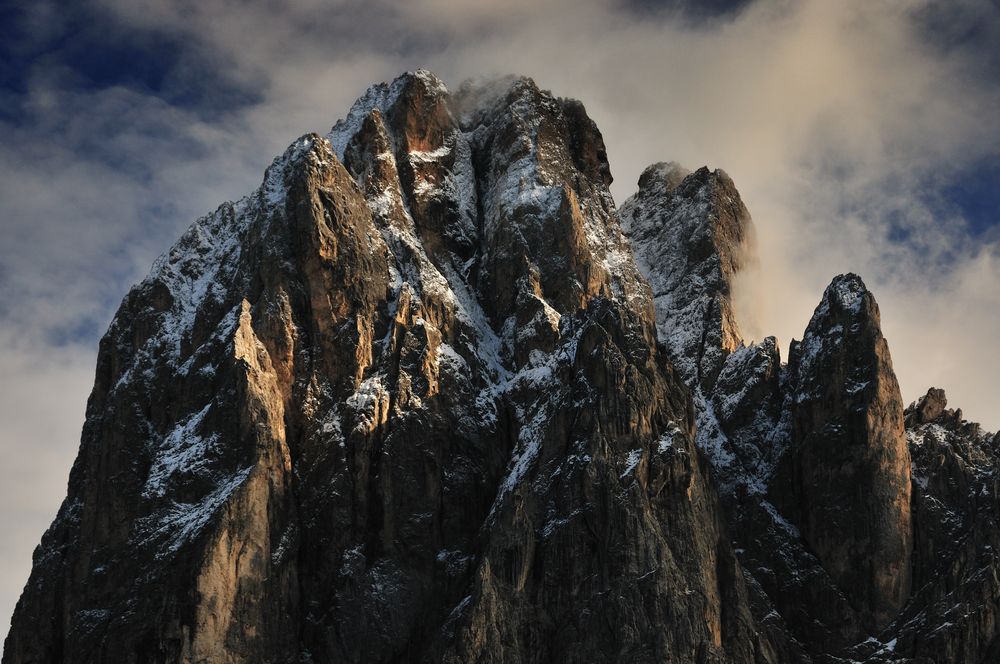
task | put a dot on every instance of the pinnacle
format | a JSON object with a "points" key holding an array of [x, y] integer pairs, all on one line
{"points": [[430, 80], [846, 292], [930, 406], [669, 173]]}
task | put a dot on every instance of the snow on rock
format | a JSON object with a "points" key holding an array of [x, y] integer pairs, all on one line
{"points": [[691, 235], [427, 345], [380, 97], [184, 449]]}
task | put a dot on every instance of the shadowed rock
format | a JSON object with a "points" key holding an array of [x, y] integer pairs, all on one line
{"points": [[403, 402], [846, 482]]}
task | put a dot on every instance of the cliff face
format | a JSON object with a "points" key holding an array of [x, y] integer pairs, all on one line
{"points": [[847, 476], [404, 401], [691, 234], [426, 395], [810, 458]]}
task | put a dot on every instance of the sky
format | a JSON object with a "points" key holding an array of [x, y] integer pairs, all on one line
{"points": [[863, 135]]}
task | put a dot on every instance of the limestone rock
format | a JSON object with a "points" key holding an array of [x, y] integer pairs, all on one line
{"points": [[952, 614], [928, 408], [691, 234], [848, 466], [426, 395], [402, 402]]}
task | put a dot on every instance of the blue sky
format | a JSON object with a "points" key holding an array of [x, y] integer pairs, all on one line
{"points": [[864, 136]]}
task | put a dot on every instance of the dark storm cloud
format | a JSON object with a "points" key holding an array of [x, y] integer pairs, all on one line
{"points": [[84, 46]]}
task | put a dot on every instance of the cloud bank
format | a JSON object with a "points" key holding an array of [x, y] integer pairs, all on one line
{"points": [[845, 125]]}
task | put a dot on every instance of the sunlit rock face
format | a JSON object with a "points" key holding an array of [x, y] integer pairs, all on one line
{"points": [[427, 395], [846, 480]]}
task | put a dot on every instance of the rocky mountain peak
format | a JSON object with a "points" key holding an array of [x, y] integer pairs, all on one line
{"points": [[929, 408], [848, 296], [374, 410], [662, 177], [848, 455], [691, 235], [426, 395], [406, 94]]}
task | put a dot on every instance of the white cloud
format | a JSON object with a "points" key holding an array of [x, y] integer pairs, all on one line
{"points": [[41, 409]]}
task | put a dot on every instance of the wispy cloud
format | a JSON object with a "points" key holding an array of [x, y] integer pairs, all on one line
{"points": [[844, 124]]}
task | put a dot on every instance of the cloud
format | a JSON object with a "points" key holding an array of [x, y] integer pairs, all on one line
{"points": [[41, 416], [842, 124]]}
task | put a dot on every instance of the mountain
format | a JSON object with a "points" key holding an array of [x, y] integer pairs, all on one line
{"points": [[428, 395]]}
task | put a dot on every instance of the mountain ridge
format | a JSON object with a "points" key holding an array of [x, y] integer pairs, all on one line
{"points": [[427, 394]]}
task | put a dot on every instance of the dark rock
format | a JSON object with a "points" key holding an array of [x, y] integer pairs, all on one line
{"points": [[664, 176], [846, 480], [411, 408], [928, 408], [952, 614]]}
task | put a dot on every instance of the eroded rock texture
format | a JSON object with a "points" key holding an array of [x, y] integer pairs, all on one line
{"points": [[691, 234], [847, 477], [812, 460], [403, 402], [426, 395]]}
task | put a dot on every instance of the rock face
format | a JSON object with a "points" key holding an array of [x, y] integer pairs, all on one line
{"points": [[691, 234], [954, 614], [847, 477], [426, 395], [810, 458], [404, 401]]}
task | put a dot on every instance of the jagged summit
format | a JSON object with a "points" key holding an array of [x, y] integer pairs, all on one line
{"points": [[849, 455], [376, 407], [691, 235], [847, 295], [381, 96], [932, 408], [929, 407], [427, 395], [662, 177]]}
